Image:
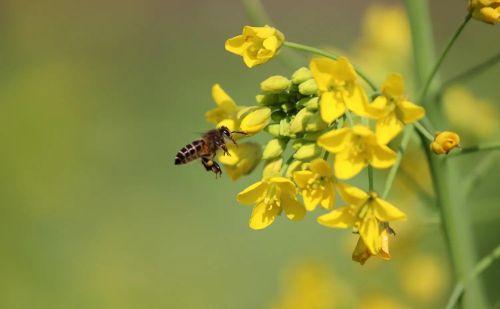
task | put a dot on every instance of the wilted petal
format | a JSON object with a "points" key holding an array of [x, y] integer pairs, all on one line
{"points": [[338, 218]]}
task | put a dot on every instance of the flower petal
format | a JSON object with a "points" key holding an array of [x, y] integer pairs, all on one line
{"points": [[328, 200], [293, 209], [382, 156], [393, 86], [347, 166], [263, 215], [311, 199], [301, 178], [321, 167], [322, 68], [385, 211], [388, 128], [352, 195], [236, 45], [330, 106], [357, 101], [286, 185], [338, 218], [410, 112], [335, 140], [252, 194], [369, 231]]}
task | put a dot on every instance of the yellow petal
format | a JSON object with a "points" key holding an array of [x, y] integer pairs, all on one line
{"points": [[361, 130], [330, 106], [263, 215], [293, 209], [369, 231], [223, 99], [352, 195], [343, 70], [378, 108], [338, 218], [388, 128], [322, 68], [271, 43], [385, 211], [335, 140], [301, 178], [410, 112], [382, 156], [286, 185], [236, 45], [252, 194], [311, 200], [357, 101], [230, 124], [347, 166], [393, 86], [321, 167], [328, 200], [250, 59]]}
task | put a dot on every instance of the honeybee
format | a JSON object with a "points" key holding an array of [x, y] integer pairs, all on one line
{"points": [[206, 148]]}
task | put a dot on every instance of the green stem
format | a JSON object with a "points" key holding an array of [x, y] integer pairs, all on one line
{"points": [[481, 266], [477, 148], [424, 131], [326, 54], [370, 178], [470, 73], [399, 156], [457, 230], [436, 67]]}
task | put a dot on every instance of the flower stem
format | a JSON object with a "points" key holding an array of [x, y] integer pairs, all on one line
{"points": [[423, 130], [436, 67], [399, 155], [477, 148], [326, 54], [370, 178]]}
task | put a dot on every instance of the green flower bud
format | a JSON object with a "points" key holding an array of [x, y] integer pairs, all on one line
{"points": [[267, 99], [274, 149], [308, 87], [312, 105], [315, 123], [284, 128], [287, 107], [307, 152], [272, 168], [300, 121], [296, 165], [301, 75], [297, 144], [275, 84], [273, 129]]}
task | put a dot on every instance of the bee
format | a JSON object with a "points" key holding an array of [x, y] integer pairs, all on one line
{"points": [[206, 148]]}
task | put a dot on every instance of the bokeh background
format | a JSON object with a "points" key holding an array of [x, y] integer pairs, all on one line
{"points": [[96, 97]]}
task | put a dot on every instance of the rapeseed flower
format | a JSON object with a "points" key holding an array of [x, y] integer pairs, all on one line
{"points": [[485, 10], [225, 114], [316, 184], [270, 196], [444, 142], [361, 253], [242, 159], [355, 148], [256, 45]]}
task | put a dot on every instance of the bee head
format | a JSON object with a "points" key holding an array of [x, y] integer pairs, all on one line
{"points": [[224, 131]]}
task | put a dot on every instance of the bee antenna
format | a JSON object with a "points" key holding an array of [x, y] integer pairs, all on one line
{"points": [[239, 132]]}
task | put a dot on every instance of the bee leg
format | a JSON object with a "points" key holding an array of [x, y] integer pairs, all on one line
{"points": [[224, 148], [211, 165]]}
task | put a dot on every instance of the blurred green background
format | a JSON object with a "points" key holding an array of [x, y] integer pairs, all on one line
{"points": [[96, 98]]}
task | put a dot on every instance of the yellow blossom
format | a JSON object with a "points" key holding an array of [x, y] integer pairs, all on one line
{"points": [[356, 147], [444, 142], [254, 119], [485, 10], [270, 196], [225, 114], [392, 110], [256, 45], [364, 212], [317, 185], [337, 87], [242, 159], [361, 253]]}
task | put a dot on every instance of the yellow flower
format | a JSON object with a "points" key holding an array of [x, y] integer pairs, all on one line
{"points": [[256, 44], [362, 253], [356, 147], [444, 142], [225, 114], [485, 10], [271, 196], [242, 159], [317, 185], [337, 87], [364, 212], [392, 110], [253, 119]]}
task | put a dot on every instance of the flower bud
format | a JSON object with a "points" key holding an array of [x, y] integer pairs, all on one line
{"points": [[301, 75], [308, 87], [315, 123], [307, 152], [275, 84], [284, 127], [273, 129], [300, 121], [274, 149], [296, 165], [312, 104], [255, 119], [272, 168], [444, 142], [287, 107]]}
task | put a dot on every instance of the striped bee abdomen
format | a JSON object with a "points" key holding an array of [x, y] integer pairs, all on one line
{"points": [[190, 152]]}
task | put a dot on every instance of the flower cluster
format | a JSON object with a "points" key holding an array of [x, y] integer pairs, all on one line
{"points": [[324, 129]]}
